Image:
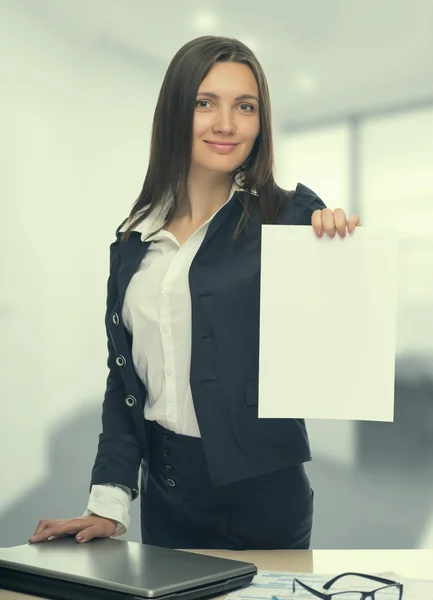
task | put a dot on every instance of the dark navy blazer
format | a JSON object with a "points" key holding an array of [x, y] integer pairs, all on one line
{"points": [[224, 282]]}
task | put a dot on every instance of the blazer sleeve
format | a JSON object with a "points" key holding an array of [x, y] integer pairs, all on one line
{"points": [[297, 207], [305, 202], [119, 453]]}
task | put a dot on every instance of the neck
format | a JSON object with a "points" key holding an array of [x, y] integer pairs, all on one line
{"points": [[205, 196]]}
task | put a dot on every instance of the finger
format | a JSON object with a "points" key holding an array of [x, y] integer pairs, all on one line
{"points": [[88, 534], [69, 527], [44, 523], [316, 222], [340, 221], [103, 527], [328, 222], [353, 222]]}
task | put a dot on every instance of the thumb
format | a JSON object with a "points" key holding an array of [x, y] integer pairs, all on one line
{"points": [[85, 535]]}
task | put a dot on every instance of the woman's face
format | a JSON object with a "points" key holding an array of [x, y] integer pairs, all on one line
{"points": [[227, 111]]}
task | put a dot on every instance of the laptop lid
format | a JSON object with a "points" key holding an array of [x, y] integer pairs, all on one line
{"points": [[114, 569]]}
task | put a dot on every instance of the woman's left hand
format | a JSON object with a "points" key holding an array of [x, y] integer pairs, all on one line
{"points": [[330, 222]]}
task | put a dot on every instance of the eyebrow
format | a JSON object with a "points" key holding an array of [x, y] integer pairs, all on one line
{"points": [[216, 97]]}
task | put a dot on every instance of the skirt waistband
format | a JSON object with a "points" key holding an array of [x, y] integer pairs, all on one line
{"points": [[177, 457]]}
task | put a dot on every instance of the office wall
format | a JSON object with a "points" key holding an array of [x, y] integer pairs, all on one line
{"points": [[75, 119], [74, 148]]}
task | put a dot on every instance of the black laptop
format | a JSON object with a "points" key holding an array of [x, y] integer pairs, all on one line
{"points": [[115, 569]]}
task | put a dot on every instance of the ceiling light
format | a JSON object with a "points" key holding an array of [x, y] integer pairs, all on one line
{"points": [[204, 22], [306, 84]]}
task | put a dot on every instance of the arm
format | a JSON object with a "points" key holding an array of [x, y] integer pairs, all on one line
{"points": [[308, 209], [305, 203], [119, 453], [297, 207], [108, 508], [111, 501]]}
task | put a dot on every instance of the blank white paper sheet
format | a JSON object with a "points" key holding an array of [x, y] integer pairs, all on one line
{"points": [[328, 313]]}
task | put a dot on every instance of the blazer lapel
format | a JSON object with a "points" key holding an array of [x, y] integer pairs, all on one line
{"points": [[223, 214], [134, 250]]}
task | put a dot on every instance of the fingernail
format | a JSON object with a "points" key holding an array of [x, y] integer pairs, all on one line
{"points": [[319, 233], [79, 537]]}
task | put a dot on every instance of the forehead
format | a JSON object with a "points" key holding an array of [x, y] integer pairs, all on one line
{"points": [[230, 76]]}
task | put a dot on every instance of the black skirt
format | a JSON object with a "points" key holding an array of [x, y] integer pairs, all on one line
{"points": [[181, 508]]}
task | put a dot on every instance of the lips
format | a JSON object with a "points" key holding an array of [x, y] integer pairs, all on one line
{"points": [[220, 143], [221, 148]]}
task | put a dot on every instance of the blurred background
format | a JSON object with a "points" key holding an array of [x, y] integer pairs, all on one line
{"points": [[352, 97]]}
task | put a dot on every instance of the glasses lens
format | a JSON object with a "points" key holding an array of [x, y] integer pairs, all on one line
{"points": [[388, 593]]}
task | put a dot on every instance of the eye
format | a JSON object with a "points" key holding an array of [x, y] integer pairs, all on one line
{"points": [[202, 102], [249, 106]]}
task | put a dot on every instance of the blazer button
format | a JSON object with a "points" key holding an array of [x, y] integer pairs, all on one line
{"points": [[171, 482], [130, 401], [120, 361], [115, 318]]}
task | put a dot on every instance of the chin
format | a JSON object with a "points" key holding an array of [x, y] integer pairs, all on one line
{"points": [[219, 167]]}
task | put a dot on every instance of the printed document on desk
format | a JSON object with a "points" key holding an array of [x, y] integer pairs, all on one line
{"points": [[268, 584], [328, 312]]}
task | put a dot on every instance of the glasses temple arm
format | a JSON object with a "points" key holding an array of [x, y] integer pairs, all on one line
{"points": [[311, 590], [328, 584]]}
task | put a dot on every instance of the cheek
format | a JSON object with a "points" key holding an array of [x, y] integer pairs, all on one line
{"points": [[201, 124], [199, 131], [252, 139], [252, 131], [197, 148]]}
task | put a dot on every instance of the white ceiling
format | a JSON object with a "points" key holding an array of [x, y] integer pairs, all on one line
{"points": [[322, 57]]}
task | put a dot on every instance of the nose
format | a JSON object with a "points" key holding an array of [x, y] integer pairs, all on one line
{"points": [[224, 123]]}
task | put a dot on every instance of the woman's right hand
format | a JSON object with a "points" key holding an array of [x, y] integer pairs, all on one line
{"points": [[84, 528]]}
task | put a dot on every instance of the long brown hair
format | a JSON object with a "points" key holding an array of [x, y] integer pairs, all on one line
{"points": [[171, 140]]}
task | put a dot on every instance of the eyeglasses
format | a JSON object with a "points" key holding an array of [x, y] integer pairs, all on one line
{"points": [[392, 590]]}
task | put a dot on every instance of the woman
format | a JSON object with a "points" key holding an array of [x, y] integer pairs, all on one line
{"points": [[183, 326]]}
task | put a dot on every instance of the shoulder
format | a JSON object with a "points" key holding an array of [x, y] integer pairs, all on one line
{"points": [[298, 206], [146, 219], [126, 223], [122, 227], [116, 243]]}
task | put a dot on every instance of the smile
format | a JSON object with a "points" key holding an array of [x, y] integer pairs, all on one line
{"points": [[221, 147]]}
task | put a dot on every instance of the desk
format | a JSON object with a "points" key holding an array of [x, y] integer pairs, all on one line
{"points": [[407, 563], [416, 564]]}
